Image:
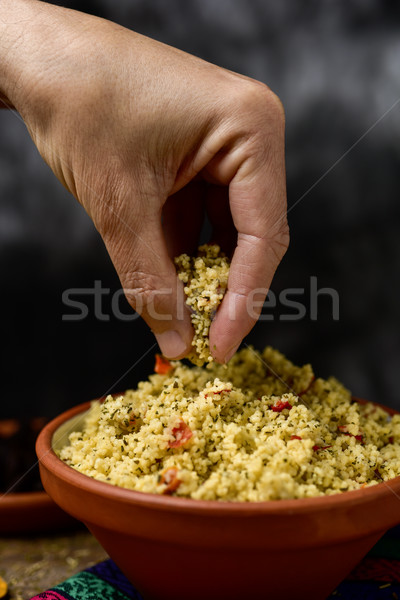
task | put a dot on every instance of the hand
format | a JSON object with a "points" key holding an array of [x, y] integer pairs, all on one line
{"points": [[147, 137]]}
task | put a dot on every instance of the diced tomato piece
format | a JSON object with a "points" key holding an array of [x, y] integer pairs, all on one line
{"points": [[316, 448], [295, 437], [162, 366], [182, 433], [169, 477], [280, 405]]}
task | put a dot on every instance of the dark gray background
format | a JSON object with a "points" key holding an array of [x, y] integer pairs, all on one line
{"points": [[336, 67]]}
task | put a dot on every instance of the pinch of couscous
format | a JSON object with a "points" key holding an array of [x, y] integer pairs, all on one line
{"points": [[205, 279]]}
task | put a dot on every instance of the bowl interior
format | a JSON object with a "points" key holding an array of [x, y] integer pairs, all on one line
{"points": [[61, 434]]}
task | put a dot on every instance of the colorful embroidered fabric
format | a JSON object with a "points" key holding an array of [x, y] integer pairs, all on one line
{"points": [[377, 577]]}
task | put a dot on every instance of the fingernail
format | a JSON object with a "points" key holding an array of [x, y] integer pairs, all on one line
{"points": [[171, 343], [230, 353]]}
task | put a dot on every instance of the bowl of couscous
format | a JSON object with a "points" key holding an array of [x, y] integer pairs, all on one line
{"points": [[255, 478]]}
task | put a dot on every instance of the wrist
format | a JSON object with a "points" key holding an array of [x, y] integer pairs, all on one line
{"points": [[16, 20], [29, 34]]}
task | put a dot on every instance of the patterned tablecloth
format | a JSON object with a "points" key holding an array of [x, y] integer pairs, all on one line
{"points": [[377, 577]]}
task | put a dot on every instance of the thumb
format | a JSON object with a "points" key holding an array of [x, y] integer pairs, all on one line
{"points": [[150, 282]]}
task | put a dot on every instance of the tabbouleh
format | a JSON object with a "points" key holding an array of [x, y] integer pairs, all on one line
{"points": [[257, 429]]}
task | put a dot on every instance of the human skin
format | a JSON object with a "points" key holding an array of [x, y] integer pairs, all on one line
{"points": [[147, 138]]}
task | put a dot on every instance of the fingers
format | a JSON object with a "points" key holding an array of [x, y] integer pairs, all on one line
{"points": [[147, 274], [258, 205], [253, 266]]}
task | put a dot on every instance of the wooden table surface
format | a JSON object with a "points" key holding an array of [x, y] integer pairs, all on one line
{"points": [[33, 564]]}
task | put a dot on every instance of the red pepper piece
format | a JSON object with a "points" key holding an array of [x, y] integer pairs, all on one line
{"points": [[162, 366], [316, 448], [280, 405], [182, 433], [170, 478], [391, 440], [295, 437], [343, 428]]}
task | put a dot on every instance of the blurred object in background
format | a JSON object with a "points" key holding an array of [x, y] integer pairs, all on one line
{"points": [[335, 66], [19, 471]]}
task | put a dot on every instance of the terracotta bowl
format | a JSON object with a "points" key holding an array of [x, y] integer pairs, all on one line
{"points": [[32, 512], [177, 548]]}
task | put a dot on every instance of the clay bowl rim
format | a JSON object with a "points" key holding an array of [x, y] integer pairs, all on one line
{"points": [[55, 465], [24, 499]]}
